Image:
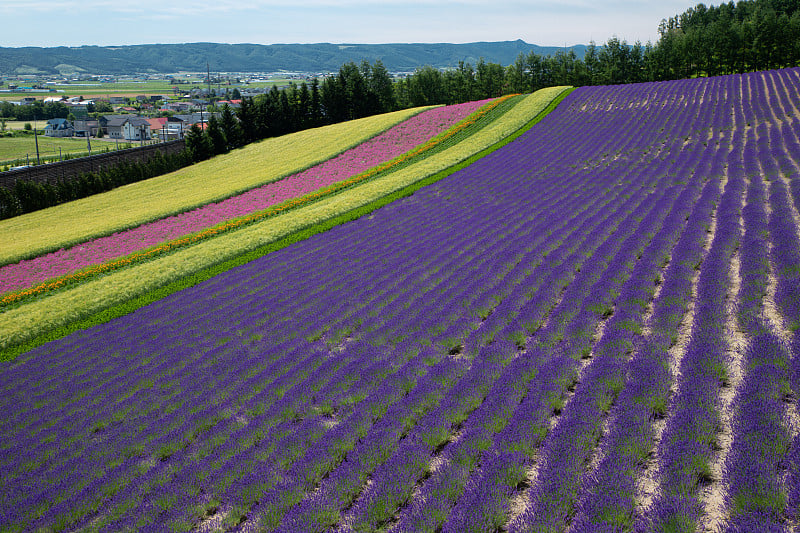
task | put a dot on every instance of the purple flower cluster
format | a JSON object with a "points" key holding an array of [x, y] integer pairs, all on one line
{"points": [[490, 352], [690, 438]]}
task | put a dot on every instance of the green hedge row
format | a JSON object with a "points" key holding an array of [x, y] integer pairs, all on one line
{"points": [[27, 196]]}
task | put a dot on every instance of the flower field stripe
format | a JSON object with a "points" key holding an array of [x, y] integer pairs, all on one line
{"points": [[90, 249], [785, 260], [209, 181], [757, 497], [473, 519], [236, 476], [313, 508], [645, 393], [505, 396], [686, 450], [23, 324], [595, 301]]}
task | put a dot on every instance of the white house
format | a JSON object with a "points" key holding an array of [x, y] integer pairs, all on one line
{"points": [[128, 127]]}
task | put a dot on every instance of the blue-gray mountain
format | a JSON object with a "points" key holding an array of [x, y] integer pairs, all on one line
{"points": [[321, 57]]}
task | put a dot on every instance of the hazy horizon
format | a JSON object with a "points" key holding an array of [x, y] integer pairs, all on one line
{"points": [[50, 23]]}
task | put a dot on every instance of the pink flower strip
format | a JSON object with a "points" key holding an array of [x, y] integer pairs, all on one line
{"points": [[390, 144]]}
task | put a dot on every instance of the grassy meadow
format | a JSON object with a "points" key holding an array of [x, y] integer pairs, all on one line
{"points": [[16, 150]]}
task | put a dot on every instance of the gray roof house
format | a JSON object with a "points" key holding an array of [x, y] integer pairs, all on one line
{"points": [[86, 127], [58, 127]]}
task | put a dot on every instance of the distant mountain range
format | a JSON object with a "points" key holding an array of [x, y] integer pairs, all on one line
{"points": [[192, 57]]}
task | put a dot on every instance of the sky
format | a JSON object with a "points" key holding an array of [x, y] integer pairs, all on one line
{"points": [[119, 22]]}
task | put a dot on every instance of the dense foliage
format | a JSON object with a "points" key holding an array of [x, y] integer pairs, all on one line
{"points": [[732, 37], [35, 111]]}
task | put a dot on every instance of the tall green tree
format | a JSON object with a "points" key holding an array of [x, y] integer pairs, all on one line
{"points": [[198, 144], [216, 136], [231, 128]]}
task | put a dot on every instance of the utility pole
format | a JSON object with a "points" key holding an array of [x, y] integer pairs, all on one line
{"points": [[208, 78], [36, 140]]}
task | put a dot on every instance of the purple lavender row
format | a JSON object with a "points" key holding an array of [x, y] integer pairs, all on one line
{"points": [[394, 480], [94, 439], [756, 497], [284, 444], [171, 446], [561, 482], [609, 494], [623, 324], [687, 445], [325, 507], [463, 514], [258, 422], [365, 518], [646, 392], [258, 483], [486, 421], [475, 449], [786, 259], [377, 497]]}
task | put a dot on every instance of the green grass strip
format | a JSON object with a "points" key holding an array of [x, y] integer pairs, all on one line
{"points": [[12, 351]]}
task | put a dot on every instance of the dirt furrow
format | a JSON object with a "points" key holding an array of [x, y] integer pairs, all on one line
{"points": [[519, 500], [713, 495], [648, 482]]}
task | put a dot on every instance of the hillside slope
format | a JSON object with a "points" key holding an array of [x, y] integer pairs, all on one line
{"points": [[595, 327], [322, 57]]}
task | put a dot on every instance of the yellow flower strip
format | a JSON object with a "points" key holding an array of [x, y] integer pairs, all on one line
{"points": [[169, 246]]}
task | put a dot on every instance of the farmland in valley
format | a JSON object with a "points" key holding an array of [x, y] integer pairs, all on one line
{"points": [[594, 327]]}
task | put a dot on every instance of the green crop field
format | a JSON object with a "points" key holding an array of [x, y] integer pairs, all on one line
{"points": [[133, 88], [16, 150]]}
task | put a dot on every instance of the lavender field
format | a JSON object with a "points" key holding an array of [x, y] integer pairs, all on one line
{"points": [[593, 328]]}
